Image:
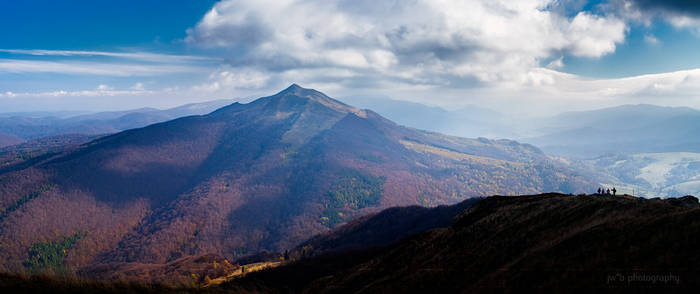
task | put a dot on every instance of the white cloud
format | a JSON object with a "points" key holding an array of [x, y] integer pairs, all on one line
{"points": [[548, 91], [684, 22], [431, 43], [229, 79], [143, 56], [138, 86], [643, 88], [432, 51], [651, 39], [103, 87], [557, 63], [101, 90], [595, 36], [94, 68], [438, 52]]}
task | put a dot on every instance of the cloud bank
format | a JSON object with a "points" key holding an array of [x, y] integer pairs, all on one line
{"points": [[142, 56], [433, 43], [441, 51], [93, 68], [507, 53]]}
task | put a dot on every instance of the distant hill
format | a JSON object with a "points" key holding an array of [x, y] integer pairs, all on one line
{"points": [[29, 126], [624, 129], [40, 114], [8, 140], [467, 121], [244, 179], [551, 243]]}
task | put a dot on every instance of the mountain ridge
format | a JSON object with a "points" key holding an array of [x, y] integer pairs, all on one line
{"points": [[248, 178], [551, 242], [32, 126], [625, 129]]}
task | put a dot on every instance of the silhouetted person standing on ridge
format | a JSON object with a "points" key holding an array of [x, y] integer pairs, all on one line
{"points": [[614, 191], [599, 191], [607, 192]]}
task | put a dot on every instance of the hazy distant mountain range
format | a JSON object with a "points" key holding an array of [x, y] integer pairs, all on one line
{"points": [[245, 178], [469, 121], [18, 127], [625, 129], [589, 138], [642, 149]]}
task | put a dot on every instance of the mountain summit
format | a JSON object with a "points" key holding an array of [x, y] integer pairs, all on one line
{"points": [[294, 97], [295, 92], [247, 178]]}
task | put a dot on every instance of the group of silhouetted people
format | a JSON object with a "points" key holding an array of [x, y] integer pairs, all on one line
{"points": [[603, 191]]}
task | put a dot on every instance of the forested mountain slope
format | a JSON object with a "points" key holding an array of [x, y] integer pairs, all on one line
{"points": [[245, 178]]}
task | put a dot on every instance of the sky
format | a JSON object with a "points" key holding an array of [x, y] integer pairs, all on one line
{"points": [[526, 57]]}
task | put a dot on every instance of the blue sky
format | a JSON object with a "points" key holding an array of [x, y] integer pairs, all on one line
{"points": [[98, 24], [157, 27], [528, 56], [673, 49]]}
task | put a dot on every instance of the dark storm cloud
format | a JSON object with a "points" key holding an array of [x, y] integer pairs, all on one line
{"points": [[684, 7]]}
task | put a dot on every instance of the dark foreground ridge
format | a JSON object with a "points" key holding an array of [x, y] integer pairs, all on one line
{"points": [[499, 244], [551, 241]]}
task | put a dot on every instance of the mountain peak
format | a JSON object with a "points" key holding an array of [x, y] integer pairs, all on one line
{"points": [[313, 95], [299, 91], [293, 87]]}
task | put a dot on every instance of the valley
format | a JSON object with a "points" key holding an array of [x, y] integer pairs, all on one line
{"points": [[665, 174]]}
